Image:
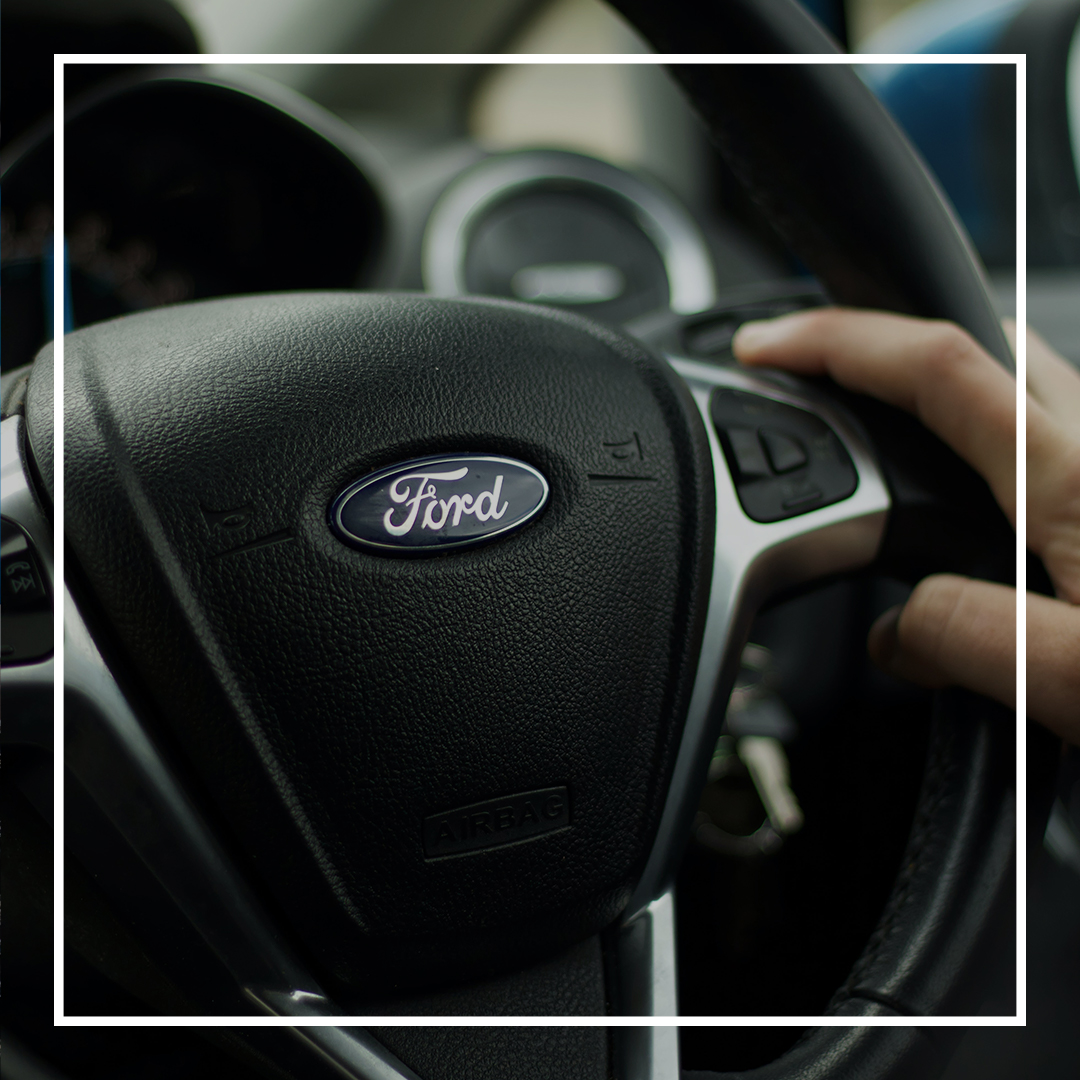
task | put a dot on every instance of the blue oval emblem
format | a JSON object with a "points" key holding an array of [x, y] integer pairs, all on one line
{"points": [[429, 505]]}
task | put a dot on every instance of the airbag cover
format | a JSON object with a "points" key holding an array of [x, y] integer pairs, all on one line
{"points": [[430, 765]]}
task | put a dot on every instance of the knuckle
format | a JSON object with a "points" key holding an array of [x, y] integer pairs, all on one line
{"points": [[933, 605], [947, 347]]}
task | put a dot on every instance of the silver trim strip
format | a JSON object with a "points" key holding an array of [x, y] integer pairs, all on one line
{"points": [[685, 254], [752, 561], [646, 961], [353, 1052], [646, 1053]]}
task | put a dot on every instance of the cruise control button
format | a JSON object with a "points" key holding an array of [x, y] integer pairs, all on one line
{"points": [[784, 452], [784, 460], [20, 581], [25, 609], [749, 457]]}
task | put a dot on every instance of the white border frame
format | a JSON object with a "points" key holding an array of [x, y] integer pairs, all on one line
{"points": [[1020, 62]]}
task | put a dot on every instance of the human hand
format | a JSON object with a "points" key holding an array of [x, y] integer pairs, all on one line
{"points": [[1053, 533], [956, 630]]}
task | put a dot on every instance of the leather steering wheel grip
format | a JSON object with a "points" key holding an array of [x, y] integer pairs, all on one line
{"points": [[839, 181], [856, 1053]]}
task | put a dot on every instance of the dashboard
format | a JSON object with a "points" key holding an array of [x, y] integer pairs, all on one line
{"points": [[189, 183]]}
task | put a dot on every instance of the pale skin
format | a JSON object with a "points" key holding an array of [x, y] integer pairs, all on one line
{"points": [[955, 630]]}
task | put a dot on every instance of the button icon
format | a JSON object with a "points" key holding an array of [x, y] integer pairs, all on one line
{"points": [[785, 452]]}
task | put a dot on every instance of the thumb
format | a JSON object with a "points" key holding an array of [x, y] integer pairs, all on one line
{"points": [[953, 631]]}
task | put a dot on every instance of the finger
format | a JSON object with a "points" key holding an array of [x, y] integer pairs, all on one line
{"points": [[1053, 382], [1053, 665], [1053, 462], [930, 368], [953, 631], [1053, 500]]}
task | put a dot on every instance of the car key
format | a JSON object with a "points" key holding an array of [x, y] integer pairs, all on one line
{"points": [[767, 764]]}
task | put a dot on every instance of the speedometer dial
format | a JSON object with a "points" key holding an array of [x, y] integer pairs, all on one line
{"points": [[564, 229]]}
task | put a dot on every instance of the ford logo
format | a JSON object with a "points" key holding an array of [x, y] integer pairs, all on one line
{"points": [[429, 505]]}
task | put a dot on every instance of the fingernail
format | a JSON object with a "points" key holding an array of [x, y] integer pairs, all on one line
{"points": [[757, 335], [883, 642]]}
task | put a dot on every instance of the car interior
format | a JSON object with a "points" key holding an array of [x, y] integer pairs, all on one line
{"points": [[283, 280]]}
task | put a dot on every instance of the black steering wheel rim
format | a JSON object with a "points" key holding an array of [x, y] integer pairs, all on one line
{"points": [[883, 982], [936, 276]]}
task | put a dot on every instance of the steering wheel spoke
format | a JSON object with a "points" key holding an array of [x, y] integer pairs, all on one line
{"points": [[755, 560]]}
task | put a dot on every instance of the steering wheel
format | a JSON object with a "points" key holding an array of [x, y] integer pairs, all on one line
{"points": [[400, 628]]}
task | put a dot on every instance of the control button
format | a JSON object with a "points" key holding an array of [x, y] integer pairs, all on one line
{"points": [[784, 460], [749, 458], [26, 632], [785, 453], [20, 580]]}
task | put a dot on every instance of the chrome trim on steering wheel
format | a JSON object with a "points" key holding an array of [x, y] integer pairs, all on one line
{"points": [[752, 562], [646, 953], [353, 1052], [646, 1053]]}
